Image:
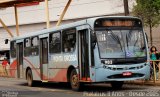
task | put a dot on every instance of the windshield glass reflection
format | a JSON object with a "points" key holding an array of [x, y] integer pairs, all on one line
{"points": [[121, 43]]}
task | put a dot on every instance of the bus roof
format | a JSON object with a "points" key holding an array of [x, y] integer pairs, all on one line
{"points": [[58, 28], [70, 25]]}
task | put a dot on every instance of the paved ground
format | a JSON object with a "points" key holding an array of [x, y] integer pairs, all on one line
{"points": [[10, 87]]}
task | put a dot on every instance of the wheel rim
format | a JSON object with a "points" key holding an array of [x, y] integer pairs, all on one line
{"points": [[75, 81]]}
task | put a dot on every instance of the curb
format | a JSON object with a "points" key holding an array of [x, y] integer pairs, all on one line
{"points": [[143, 82]]}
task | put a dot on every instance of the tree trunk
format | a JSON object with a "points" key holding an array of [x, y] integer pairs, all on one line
{"points": [[150, 29]]}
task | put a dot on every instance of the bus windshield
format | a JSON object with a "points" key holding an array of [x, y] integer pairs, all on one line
{"points": [[121, 43]]}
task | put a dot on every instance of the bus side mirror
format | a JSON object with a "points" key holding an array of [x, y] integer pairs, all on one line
{"points": [[6, 41]]}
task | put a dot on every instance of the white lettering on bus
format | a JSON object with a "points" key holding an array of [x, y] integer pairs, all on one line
{"points": [[58, 58], [70, 58], [61, 58]]}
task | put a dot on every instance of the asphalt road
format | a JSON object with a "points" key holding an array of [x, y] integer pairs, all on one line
{"points": [[10, 87]]}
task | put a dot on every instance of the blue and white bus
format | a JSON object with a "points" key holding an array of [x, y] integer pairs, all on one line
{"points": [[102, 49]]}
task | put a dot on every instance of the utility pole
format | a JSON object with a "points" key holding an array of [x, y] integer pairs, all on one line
{"points": [[16, 19], [63, 13], [47, 14], [126, 10]]}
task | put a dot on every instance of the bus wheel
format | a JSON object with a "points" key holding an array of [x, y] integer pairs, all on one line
{"points": [[117, 84], [29, 78], [74, 81]]}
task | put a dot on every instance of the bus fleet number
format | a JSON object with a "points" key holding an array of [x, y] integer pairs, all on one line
{"points": [[108, 62]]}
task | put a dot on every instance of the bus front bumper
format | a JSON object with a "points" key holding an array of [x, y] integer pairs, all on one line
{"points": [[105, 74]]}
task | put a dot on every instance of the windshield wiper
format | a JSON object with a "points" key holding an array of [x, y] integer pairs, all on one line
{"points": [[116, 38], [128, 37]]}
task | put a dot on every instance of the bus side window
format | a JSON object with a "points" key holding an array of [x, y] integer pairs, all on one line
{"points": [[27, 47], [35, 46], [55, 42], [69, 40]]}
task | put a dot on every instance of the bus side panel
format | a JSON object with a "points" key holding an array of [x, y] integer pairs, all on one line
{"points": [[58, 75], [62, 54], [33, 63], [58, 66]]}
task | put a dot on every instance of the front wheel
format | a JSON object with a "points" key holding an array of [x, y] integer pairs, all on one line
{"points": [[117, 84], [74, 81]]}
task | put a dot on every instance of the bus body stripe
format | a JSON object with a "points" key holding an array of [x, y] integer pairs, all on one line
{"points": [[58, 76], [32, 66]]}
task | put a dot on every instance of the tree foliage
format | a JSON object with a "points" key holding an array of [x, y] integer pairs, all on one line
{"points": [[149, 12]]}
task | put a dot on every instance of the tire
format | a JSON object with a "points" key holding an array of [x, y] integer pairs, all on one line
{"points": [[74, 81], [30, 78], [117, 84]]}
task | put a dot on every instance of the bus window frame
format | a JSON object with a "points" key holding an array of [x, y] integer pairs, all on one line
{"points": [[74, 47], [27, 47], [140, 28], [32, 46], [93, 42], [50, 39]]}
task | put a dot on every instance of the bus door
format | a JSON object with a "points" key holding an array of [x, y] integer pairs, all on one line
{"points": [[44, 58], [20, 60], [83, 54]]}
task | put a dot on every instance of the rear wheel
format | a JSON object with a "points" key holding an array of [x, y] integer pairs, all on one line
{"points": [[29, 78], [117, 84], [74, 81]]}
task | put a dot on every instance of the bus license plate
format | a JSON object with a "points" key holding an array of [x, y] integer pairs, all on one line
{"points": [[127, 73]]}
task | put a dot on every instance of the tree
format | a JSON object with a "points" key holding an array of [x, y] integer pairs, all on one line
{"points": [[149, 12]]}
